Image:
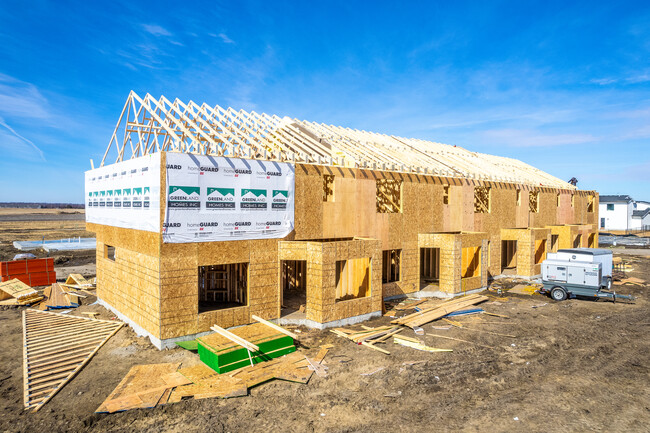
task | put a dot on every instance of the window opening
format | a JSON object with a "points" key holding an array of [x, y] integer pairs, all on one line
{"points": [[389, 196], [223, 286], [390, 265], [482, 199], [471, 262], [352, 278], [328, 187]]}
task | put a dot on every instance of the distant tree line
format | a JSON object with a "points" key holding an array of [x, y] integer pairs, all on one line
{"points": [[43, 205]]}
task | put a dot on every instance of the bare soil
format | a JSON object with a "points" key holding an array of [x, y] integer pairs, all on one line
{"points": [[17, 224], [576, 365]]}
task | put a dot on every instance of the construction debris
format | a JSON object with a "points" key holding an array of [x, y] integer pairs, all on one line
{"points": [[15, 292], [409, 305], [144, 386], [55, 348], [77, 281], [430, 314], [369, 336], [523, 289], [416, 344], [633, 281], [57, 297], [206, 383]]}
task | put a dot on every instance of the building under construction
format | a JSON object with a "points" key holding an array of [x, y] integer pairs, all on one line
{"points": [[206, 215]]}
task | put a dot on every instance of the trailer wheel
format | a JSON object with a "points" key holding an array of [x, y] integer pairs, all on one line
{"points": [[558, 294], [608, 283]]}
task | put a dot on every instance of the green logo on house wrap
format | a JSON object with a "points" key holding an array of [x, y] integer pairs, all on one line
{"points": [[137, 198], [117, 198], [146, 199], [220, 198], [254, 199], [184, 197], [279, 199], [126, 198]]}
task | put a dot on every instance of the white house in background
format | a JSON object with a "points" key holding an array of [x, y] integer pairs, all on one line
{"points": [[622, 212], [640, 216]]}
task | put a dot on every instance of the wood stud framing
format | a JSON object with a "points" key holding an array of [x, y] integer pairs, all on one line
{"points": [[328, 187], [147, 125], [389, 196], [481, 199], [533, 201]]}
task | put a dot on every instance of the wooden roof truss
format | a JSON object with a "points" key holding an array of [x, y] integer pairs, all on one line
{"points": [[147, 125]]}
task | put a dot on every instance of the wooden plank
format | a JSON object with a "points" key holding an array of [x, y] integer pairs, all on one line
{"points": [[274, 326], [235, 339], [372, 346], [48, 360], [60, 338]]}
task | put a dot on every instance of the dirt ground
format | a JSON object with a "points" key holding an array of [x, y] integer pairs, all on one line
{"points": [[569, 366], [34, 224]]}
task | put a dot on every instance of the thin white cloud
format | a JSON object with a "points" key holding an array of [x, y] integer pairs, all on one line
{"points": [[21, 99], [156, 30], [16, 143], [224, 37], [531, 138], [642, 78], [603, 81]]}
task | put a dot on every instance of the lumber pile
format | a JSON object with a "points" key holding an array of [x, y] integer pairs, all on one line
{"points": [[15, 292], [144, 386], [430, 314], [55, 348], [58, 296]]}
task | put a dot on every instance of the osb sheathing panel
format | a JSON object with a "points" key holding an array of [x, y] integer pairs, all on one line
{"points": [[451, 245], [131, 285], [525, 247], [179, 284], [321, 304], [351, 214]]}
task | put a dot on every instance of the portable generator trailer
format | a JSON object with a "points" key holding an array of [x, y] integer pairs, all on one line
{"points": [[579, 272]]}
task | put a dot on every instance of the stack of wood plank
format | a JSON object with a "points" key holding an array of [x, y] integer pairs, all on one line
{"points": [[15, 292], [432, 313], [58, 297], [55, 347]]}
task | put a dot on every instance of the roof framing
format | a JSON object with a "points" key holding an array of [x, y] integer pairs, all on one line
{"points": [[147, 125]]}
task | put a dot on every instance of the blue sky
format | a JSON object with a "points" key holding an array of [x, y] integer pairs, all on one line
{"points": [[564, 86]]}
